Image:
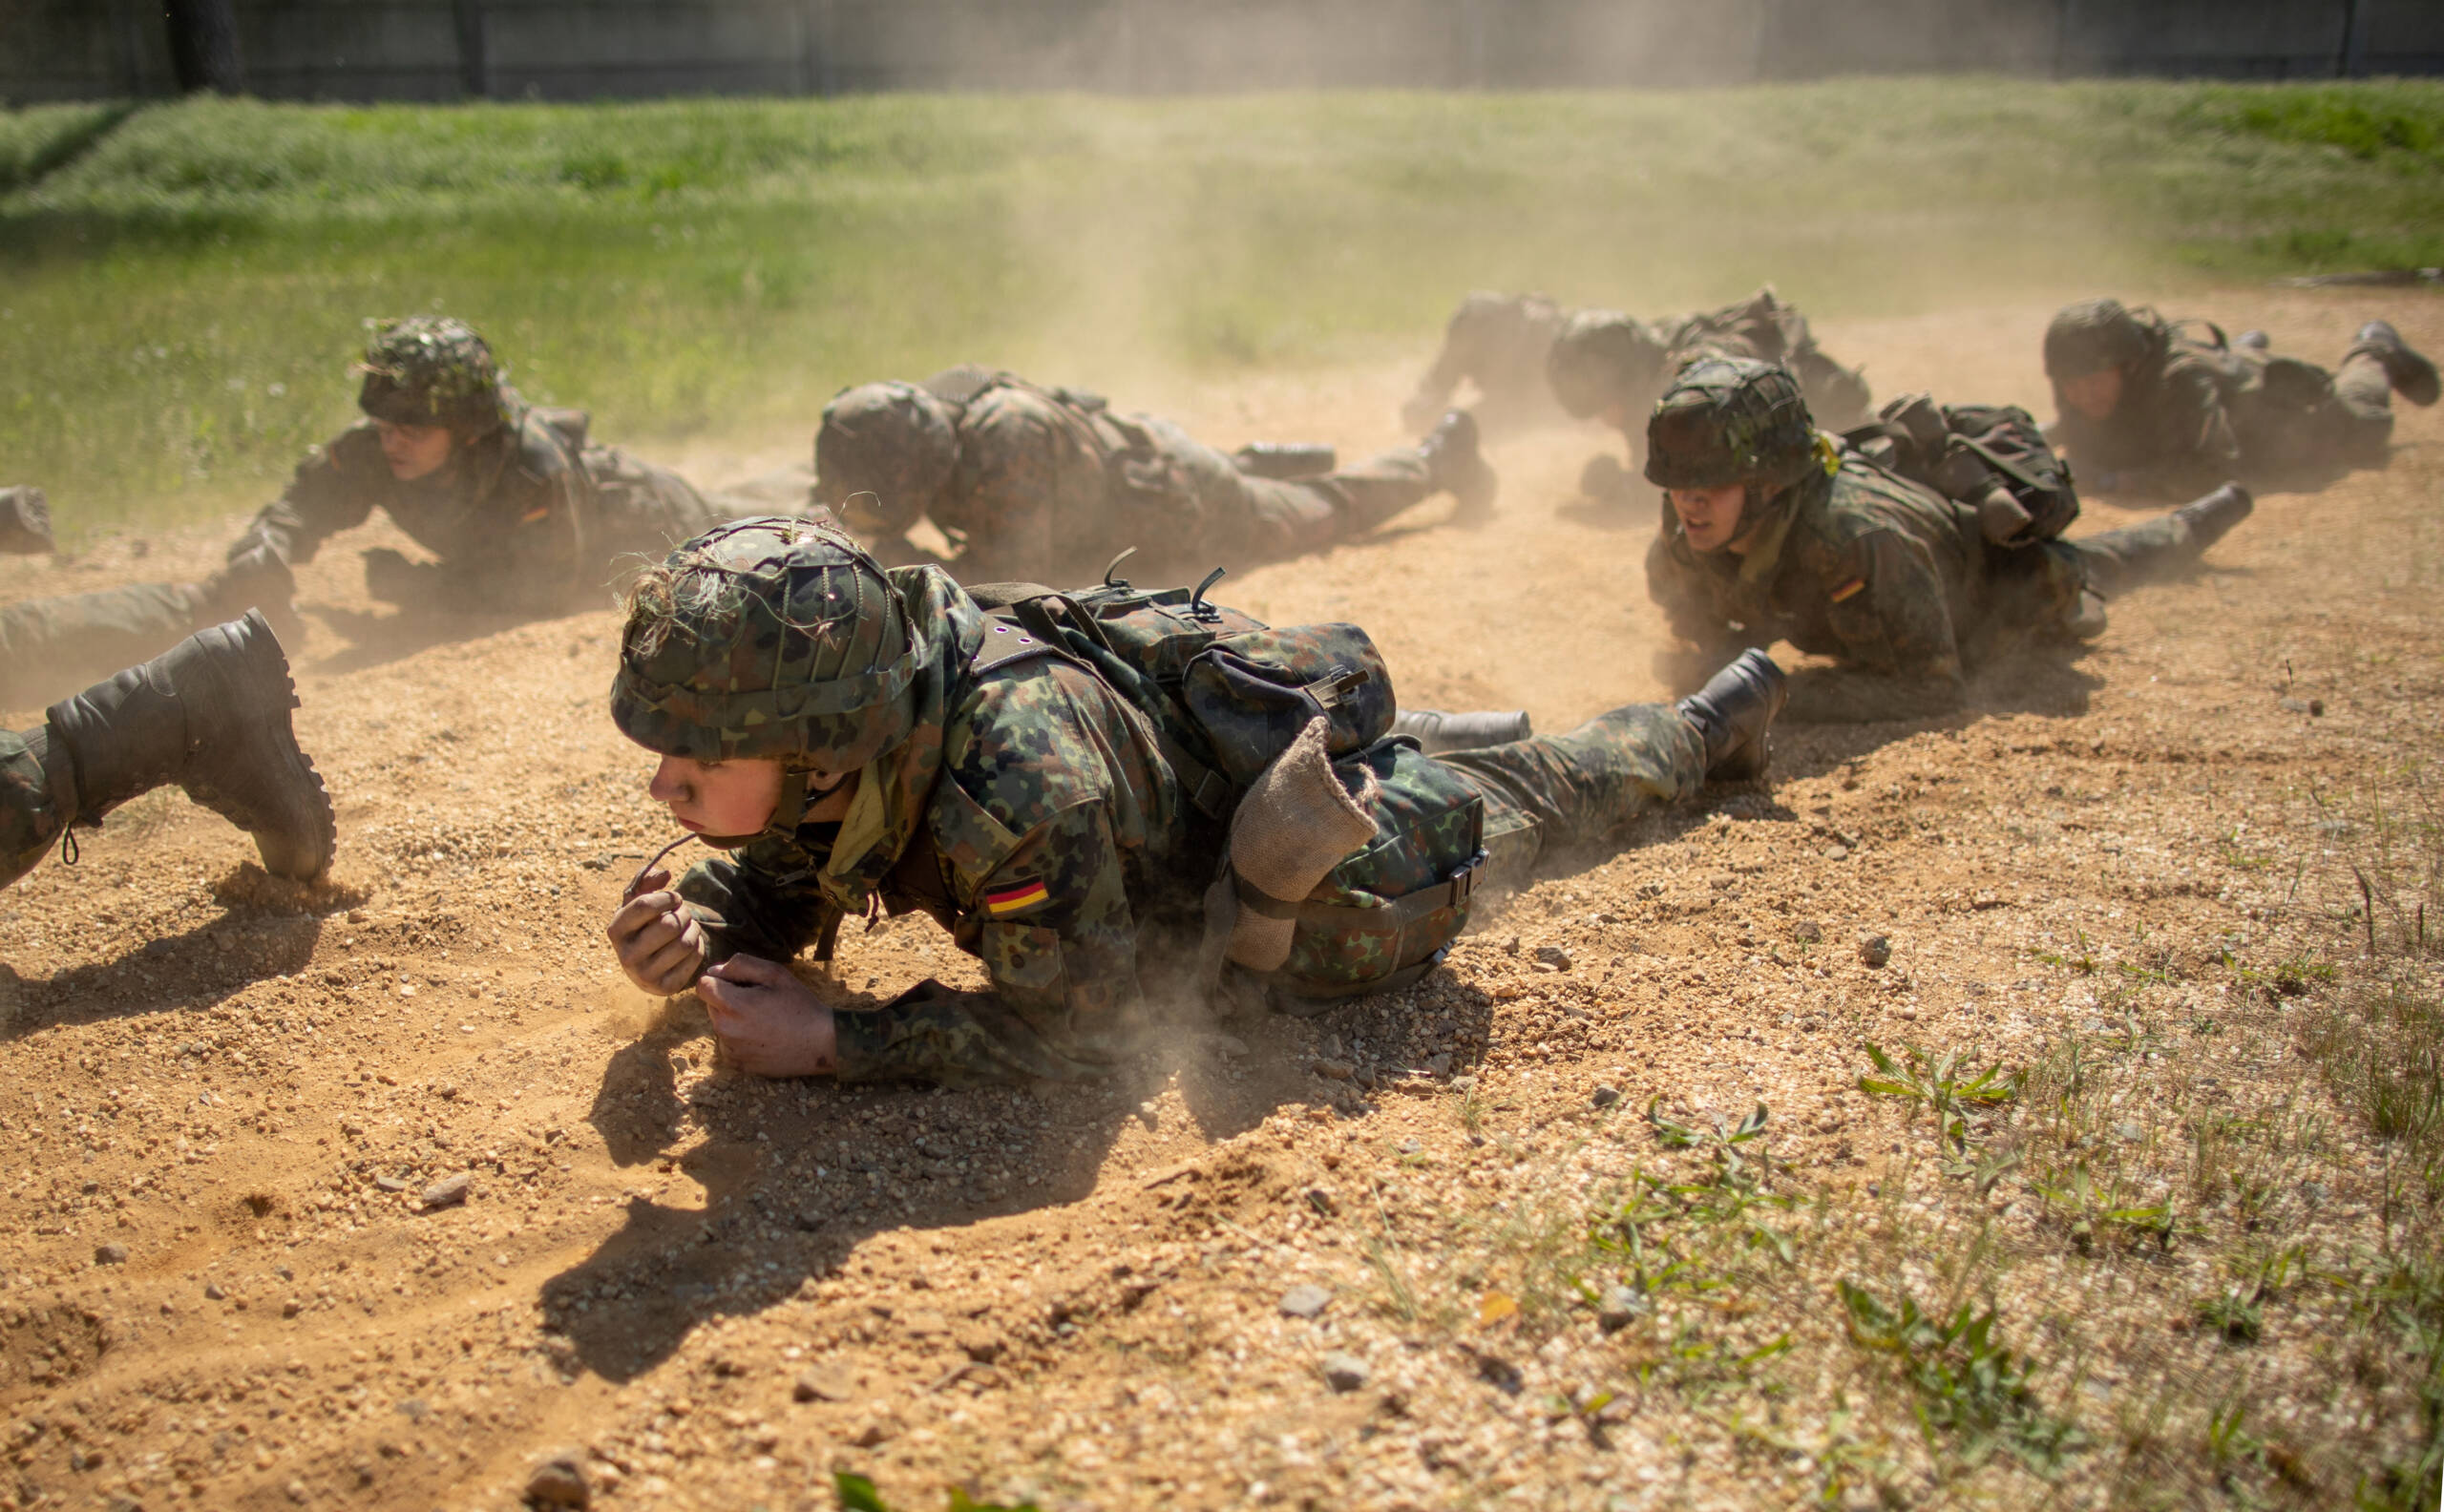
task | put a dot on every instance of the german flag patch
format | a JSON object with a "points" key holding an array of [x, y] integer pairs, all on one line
{"points": [[1849, 590], [1016, 898]]}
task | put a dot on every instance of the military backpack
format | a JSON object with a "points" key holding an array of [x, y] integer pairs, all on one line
{"points": [[1226, 694]]}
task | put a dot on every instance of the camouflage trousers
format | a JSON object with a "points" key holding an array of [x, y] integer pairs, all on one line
{"points": [[2035, 589], [32, 813], [1554, 793], [1245, 518], [52, 648], [2291, 433]]}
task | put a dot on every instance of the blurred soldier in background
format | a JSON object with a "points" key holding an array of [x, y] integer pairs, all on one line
{"points": [[1776, 532], [1046, 485], [1610, 367], [2169, 408], [525, 516], [1497, 343], [211, 716]]}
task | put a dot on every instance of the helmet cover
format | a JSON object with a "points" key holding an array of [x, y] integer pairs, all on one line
{"points": [[773, 638], [1730, 420], [894, 440], [2091, 336], [432, 370]]}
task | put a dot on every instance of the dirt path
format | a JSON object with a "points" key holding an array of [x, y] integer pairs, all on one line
{"points": [[218, 1287]]}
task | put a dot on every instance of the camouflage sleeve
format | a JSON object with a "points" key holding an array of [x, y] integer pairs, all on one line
{"points": [[1688, 609], [2196, 448], [760, 900], [325, 497], [1899, 654], [1056, 933]]}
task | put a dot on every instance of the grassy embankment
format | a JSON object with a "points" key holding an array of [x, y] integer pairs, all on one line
{"points": [[184, 282]]}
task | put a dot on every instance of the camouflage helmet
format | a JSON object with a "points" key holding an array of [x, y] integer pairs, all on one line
{"points": [[1602, 357], [432, 370], [2091, 336], [1729, 420], [771, 638], [894, 440]]}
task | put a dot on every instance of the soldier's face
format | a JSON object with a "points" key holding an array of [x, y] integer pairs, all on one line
{"points": [[1709, 516], [413, 451], [2096, 396], [719, 798]]}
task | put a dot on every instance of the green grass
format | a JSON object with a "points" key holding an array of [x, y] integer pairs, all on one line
{"points": [[181, 287]]}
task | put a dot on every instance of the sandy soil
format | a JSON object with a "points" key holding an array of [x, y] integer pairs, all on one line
{"points": [[219, 1287]]}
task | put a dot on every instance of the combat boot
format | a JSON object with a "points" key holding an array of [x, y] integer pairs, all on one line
{"points": [[2406, 369], [1438, 732], [211, 714], [1732, 713], [2212, 517], [2087, 619], [255, 579], [1453, 463], [25, 521]]}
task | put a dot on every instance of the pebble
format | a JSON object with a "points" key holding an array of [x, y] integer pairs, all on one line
{"points": [[1605, 1095], [1807, 932], [1874, 950], [212, 1291], [1333, 1070], [109, 1254], [1304, 1301], [1554, 956], [823, 1385], [1620, 1308], [449, 1191], [559, 1482], [1344, 1373], [390, 1184]]}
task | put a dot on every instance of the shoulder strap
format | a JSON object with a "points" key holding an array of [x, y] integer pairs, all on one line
{"points": [[1049, 624]]}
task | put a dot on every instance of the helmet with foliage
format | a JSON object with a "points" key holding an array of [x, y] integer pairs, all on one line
{"points": [[2093, 335], [432, 370], [773, 638], [1602, 357], [1729, 420], [893, 440]]}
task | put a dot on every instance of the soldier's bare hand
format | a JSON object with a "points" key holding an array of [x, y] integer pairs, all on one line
{"points": [[660, 944], [766, 1020]]}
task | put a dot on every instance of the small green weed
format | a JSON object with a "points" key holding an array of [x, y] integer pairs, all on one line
{"points": [[857, 1494], [1972, 1393], [1943, 1083], [2077, 1195]]}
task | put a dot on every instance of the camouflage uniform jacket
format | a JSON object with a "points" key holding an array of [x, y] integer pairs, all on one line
{"points": [[2172, 435], [519, 518], [1862, 566], [1035, 819]]}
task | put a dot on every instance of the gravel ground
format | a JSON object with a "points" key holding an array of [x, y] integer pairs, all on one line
{"points": [[1510, 1237]]}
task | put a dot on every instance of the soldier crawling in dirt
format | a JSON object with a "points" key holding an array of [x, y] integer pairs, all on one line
{"points": [[1774, 530], [1526, 354], [1051, 483], [2169, 408], [211, 715], [1121, 802], [526, 517]]}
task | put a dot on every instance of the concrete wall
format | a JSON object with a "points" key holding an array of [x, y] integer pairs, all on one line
{"points": [[588, 49]]}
